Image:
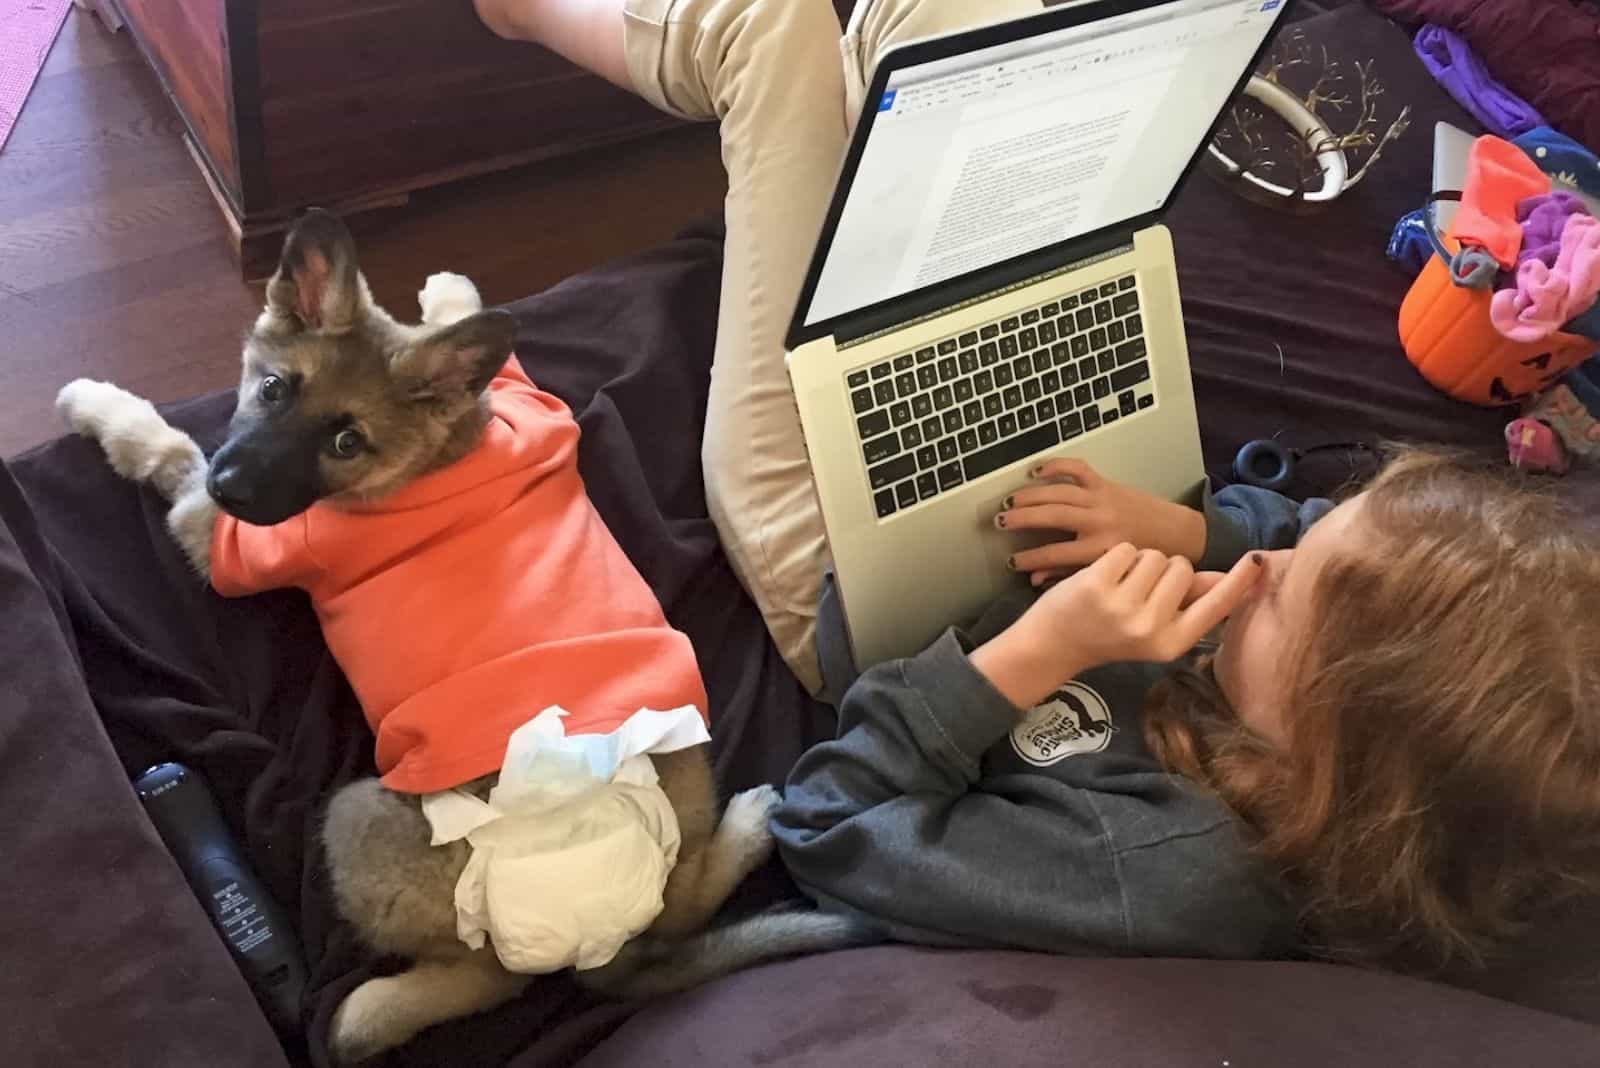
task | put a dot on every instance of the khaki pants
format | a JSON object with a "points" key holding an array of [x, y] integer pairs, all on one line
{"points": [[768, 71]]}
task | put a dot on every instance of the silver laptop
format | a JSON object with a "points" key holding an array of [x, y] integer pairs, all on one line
{"points": [[992, 287], [1452, 150]]}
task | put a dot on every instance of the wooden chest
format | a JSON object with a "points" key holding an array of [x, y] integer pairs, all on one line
{"points": [[353, 104]]}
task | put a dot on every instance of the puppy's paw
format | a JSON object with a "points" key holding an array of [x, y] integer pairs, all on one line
{"points": [[364, 1024], [745, 824], [138, 443], [447, 298]]}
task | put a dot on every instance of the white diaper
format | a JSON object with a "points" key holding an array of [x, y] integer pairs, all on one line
{"points": [[573, 847]]}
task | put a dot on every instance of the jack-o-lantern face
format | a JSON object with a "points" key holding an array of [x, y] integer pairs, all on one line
{"points": [[1447, 334]]}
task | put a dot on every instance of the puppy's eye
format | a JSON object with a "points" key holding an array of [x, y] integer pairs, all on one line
{"points": [[273, 391], [348, 442]]}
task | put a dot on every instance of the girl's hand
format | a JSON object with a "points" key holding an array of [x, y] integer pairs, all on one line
{"points": [[1130, 605], [1098, 514]]}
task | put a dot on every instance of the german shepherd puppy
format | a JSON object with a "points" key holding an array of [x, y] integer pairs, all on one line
{"points": [[355, 427]]}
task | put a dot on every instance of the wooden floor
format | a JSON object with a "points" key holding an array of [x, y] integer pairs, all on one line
{"points": [[114, 261]]}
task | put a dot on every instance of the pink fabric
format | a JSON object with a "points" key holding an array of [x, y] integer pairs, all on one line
{"points": [[27, 30], [1547, 297], [1543, 218]]}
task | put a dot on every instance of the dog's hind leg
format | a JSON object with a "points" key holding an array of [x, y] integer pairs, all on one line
{"points": [[138, 443], [398, 891], [714, 856]]}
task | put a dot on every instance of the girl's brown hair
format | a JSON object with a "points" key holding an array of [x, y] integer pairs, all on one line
{"points": [[1441, 771]]}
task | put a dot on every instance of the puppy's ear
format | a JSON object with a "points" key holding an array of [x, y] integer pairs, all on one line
{"points": [[458, 360], [317, 285]]}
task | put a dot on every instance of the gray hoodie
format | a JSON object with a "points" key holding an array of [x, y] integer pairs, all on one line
{"points": [[949, 818]]}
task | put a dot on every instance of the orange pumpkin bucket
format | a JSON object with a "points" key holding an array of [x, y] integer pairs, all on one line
{"points": [[1447, 335]]}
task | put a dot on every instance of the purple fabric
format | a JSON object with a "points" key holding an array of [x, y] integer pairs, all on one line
{"points": [[1462, 74], [1543, 218]]}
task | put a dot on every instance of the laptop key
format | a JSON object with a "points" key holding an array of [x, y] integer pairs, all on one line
{"points": [[927, 485], [1091, 419], [881, 448], [988, 332], [861, 400], [1022, 366], [903, 363], [1108, 360], [993, 405], [1135, 325], [884, 392], [905, 384], [884, 501], [1007, 424], [872, 424], [932, 428], [1030, 316], [1125, 283], [1008, 346], [1066, 326], [1060, 353], [984, 381], [922, 405], [1080, 346], [972, 413], [969, 339], [943, 398], [911, 436], [1085, 318], [1051, 381], [927, 377], [963, 390], [947, 346], [856, 379], [1046, 408], [927, 456], [906, 493], [947, 450], [1108, 289], [1047, 331], [887, 474], [952, 423], [1102, 388], [1002, 375], [1147, 401], [1069, 375], [925, 355], [1071, 426], [968, 441], [1130, 351], [1081, 396], [1126, 402], [1111, 416], [1097, 338], [1086, 368], [1031, 390], [988, 354], [1068, 303], [1027, 418], [1013, 396], [1049, 311], [988, 434], [880, 370], [949, 476], [900, 413], [1009, 325], [1128, 377], [1089, 296], [1116, 332], [1041, 361], [1029, 338], [1102, 312], [1126, 304], [947, 369], [969, 361], [1009, 451]]}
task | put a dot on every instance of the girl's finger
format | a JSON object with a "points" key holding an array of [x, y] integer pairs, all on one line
{"points": [[1052, 493], [1202, 584], [1045, 517], [1057, 556], [1213, 606], [1040, 579], [1171, 588], [1114, 563], [1066, 467], [1147, 570]]}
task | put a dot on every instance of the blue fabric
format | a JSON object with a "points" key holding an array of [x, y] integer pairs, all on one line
{"points": [[1587, 324], [1566, 161], [1410, 244]]}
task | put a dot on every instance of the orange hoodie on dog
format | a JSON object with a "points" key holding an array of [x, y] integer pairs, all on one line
{"points": [[474, 598]]}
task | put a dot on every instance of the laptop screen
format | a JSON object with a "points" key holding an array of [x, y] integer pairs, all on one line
{"points": [[977, 158]]}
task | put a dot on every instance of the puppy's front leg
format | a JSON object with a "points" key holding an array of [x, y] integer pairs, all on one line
{"points": [[143, 447]]}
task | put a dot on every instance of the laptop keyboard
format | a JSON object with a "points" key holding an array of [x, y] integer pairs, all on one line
{"points": [[941, 416]]}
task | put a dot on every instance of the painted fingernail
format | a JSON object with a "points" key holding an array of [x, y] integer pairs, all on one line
{"points": [[1000, 521], [1036, 470], [1008, 503], [1257, 559], [1011, 563]]}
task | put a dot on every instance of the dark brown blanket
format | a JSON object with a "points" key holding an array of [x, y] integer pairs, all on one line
{"points": [[100, 935]]}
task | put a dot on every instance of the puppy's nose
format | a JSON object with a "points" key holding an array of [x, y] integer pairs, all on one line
{"points": [[229, 487]]}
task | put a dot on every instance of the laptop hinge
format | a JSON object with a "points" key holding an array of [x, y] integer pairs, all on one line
{"points": [[933, 304]]}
